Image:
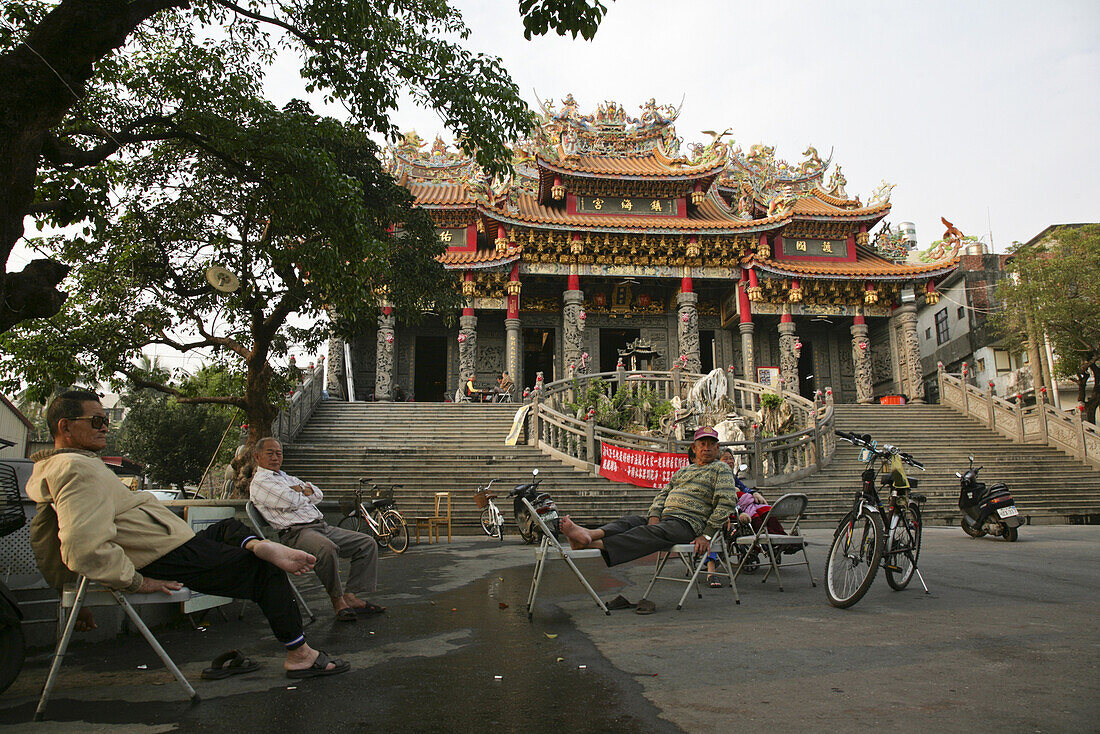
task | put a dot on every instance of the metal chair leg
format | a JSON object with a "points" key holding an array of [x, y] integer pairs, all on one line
{"points": [[59, 653], [168, 662]]}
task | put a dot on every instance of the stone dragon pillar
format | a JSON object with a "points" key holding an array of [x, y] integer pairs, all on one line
{"points": [[789, 348], [909, 348], [511, 327], [744, 307], [467, 332], [573, 318], [687, 326], [334, 369], [861, 359], [383, 375]]}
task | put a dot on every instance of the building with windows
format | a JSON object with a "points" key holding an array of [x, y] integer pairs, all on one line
{"points": [[608, 233]]}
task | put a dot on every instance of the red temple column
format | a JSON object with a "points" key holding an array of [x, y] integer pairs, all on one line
{"points": [[744, 307], [512, 326]]}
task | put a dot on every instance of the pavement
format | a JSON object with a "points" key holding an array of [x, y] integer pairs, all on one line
{"points": [[1007, 638]]}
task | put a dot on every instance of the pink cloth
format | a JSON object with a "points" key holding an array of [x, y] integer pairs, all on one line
{"points": [[748, 505]]}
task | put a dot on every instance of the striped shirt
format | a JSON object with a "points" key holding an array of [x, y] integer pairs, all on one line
{"points": [[280, 505], [702, 496]]}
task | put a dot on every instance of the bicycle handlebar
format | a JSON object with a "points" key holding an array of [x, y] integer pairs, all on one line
{"points": [[866, 442]]}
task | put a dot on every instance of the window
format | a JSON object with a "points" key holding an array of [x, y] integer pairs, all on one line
{"points": [[1001, 360], [981, 365], [942, 334], [961, 312], [928, 333]]}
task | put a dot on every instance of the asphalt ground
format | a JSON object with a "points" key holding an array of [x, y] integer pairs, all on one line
{"points": [[1007, 638]]}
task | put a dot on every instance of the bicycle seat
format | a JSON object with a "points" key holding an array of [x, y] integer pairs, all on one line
{"points": [[384, 502]]}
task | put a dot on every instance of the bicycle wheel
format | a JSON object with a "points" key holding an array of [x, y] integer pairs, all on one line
{"points": [[351, 522], [397, 535], [853, 559], [488, 524], [903, 548]]}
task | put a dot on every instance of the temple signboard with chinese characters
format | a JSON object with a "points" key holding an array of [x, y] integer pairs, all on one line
{"points": [[610, 229]]}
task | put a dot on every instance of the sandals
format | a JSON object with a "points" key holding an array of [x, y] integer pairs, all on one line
{"points": [[645, 606], [229, 663], [713, 581], [320, 668], [620, 602], [368, 609], [347, 614]]}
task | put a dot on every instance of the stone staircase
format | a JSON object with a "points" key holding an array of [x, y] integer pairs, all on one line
{"points": [[430, 447]]}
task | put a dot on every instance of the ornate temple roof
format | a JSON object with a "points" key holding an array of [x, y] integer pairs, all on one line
{"points": [[478, 259], [867, 266], [439, 194]]}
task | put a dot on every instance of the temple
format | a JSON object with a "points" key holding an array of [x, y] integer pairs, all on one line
{"points": [[608, 232]]}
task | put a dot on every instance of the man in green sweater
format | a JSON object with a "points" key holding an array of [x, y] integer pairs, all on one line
{"points": [[692, 506]]}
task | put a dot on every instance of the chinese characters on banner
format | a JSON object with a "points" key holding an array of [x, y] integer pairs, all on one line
{"points": [[641, 468]]}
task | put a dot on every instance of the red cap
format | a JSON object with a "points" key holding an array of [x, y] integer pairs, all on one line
{"points": [[706, 432]]}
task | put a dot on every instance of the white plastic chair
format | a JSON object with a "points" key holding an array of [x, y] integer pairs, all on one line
{"points": [[550, 549], [85, 593], [693, 568]]}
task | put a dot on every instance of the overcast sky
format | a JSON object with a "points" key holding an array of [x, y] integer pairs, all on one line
{"points": [[985, 113]]}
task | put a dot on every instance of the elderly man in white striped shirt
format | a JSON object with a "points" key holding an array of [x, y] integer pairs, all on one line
{"points": [[290, 506]]}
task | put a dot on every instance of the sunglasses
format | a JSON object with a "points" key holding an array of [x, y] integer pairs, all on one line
{"points": [[97, 421]]}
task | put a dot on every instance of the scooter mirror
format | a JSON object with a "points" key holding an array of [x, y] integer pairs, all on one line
{"points": [[959, 475], [534, 472], [971, 457]]}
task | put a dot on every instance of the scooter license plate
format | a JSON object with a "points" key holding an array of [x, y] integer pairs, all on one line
{"points": [[1007, 512]]}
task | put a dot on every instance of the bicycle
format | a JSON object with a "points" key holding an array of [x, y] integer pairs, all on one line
{"points": [[492, 519], [861, 542], [379, 516]]}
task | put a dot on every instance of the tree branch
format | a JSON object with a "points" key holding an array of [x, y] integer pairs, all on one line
{"points": [[311, 41]]}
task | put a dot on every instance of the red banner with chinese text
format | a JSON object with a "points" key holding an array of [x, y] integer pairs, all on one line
{"points": [[641, 468]]}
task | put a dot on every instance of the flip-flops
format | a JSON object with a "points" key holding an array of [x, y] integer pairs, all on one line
{"points": [[620, 602], [645, 606], [713, 581], [229, 663], [320, 668], [347, 614], [368, 609]]}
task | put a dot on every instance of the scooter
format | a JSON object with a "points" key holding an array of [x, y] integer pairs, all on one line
{"points": [[12, 517], [543, 504], [987, 510]]}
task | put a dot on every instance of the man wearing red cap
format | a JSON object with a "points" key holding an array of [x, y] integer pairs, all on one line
{"points": [[692, 506]]}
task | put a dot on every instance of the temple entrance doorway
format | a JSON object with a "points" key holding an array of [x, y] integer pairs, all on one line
{"points": [[807, 381], [706, 351], [430, 363], [611, 341], [538, 355]]}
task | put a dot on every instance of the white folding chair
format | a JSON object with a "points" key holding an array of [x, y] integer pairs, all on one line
{"points": [[789, 508], [693, 567], [87, 594], [550, 549], [461, 396], [259, 524]]}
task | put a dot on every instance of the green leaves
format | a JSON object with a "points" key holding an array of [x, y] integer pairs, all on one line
{"points": [[561, 16]]}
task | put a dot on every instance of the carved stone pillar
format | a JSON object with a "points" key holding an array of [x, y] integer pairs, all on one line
{"points": [[334, 369], [909, 348], [467, 347], [748, 357], [511, 348], [687, 329], [573, 318], [383, 375], [788, 357], [861, 359]]}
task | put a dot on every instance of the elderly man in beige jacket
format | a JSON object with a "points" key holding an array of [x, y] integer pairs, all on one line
{"points": [[128, 540]]}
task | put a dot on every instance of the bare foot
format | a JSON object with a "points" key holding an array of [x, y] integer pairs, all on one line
{"points": [[85, 622], [578, 537], [289, 559]]}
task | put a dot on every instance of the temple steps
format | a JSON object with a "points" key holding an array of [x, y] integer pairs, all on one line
{"points": [[429, 447]]}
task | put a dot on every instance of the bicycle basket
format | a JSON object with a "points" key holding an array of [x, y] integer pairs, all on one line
{"points": [[12, 516], [481, 499]]}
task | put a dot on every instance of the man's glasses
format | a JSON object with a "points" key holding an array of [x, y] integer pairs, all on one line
{"points": [[97, 421]]}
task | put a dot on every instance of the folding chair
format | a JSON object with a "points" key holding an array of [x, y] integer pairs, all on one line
{"points": [[88, 594], [461, 396], [789, 508], [259, 524], [686, 553], [550, 549]]}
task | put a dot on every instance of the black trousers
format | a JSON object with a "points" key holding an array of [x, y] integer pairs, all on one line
{"points": [[215, 562], [630, 538]]}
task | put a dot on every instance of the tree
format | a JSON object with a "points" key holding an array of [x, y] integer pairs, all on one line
{"points": [[1053, 291], [297, 206], [81, 84], [176, 442]]}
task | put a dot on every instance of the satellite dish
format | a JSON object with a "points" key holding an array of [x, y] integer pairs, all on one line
{"points": [[222, 279]]}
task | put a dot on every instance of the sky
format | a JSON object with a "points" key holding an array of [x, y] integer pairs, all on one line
{"points": [[985, 113]]}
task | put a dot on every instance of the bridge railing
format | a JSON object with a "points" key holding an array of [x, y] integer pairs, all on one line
{"points": [[299, 408], [772, 460], [1039, 423]]}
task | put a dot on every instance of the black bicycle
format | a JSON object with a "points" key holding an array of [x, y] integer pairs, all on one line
{"points": [[874, 533]]}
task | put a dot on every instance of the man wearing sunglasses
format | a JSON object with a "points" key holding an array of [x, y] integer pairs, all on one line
{"points": [[129, 541]]}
